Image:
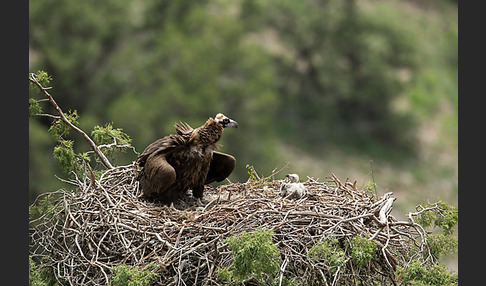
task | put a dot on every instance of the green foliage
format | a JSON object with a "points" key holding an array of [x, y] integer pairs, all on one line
{"points": [[109, 138], [362, 250], [254, 256], [329, 251], [59, 129], [44, 206], [442, 244], [65, 155], [445, 217], [42, 77], [39, 276], [125, 275], [34, 107], [370, 188], [67, 158], [35, 277], [448, 218], [108, 135], [418, 274], [253, 175], [41, 164]]}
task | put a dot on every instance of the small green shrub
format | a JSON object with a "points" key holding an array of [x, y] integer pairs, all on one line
{"points": [[40, 276], [35, 277], [362, 250], [418, 274], [125, 275], [255, 256], [441, 244], [448, 218], [445, 217], [329, 251]]}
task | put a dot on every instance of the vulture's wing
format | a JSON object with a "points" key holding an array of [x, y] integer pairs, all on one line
{"points": [[221, 167], [162, 145], [157, 176]]}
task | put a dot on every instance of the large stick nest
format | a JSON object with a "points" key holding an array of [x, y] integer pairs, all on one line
{"points": [[105, 222]]}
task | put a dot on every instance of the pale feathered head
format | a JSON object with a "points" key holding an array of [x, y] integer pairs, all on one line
{"points": [[294, 178], [225, 121]]}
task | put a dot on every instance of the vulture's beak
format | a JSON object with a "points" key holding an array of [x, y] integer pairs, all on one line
{"points": [[231, 123]]}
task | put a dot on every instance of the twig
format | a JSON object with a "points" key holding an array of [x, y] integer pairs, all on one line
{"points": [[373, 177]]}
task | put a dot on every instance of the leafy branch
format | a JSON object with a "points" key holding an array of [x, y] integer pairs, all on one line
{"points": [[34, 109]]}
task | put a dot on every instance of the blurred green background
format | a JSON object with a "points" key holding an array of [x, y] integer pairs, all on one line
{"points": [[317, 87]]}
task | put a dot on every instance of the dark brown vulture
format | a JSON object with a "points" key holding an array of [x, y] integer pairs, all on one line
{"points": [[176, 163]]}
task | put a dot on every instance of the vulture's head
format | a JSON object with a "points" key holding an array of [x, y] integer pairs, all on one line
{"points": [[225, 121], [294, 178]]}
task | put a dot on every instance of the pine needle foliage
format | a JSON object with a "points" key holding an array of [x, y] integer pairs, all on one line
{"points": [[445, 217], [418, 274], [34, 107], [113, 138], [40, 276], [59, 129], [329, 252], [362, 250], [126, 275], [255, 257]]}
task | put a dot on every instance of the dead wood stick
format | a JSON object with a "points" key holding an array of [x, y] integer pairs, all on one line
{"points": [[385, 210]]}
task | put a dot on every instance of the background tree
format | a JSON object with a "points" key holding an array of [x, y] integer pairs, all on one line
{"points": [[340, 71]]}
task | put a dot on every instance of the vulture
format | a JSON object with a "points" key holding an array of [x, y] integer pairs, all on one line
{"points": [[294, 189], [176, 163]]}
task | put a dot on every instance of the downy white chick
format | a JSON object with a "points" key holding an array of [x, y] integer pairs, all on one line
{"points": [[294, 189]]}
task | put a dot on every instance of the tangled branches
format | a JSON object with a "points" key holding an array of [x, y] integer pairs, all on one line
{"points": [[105, 223]]}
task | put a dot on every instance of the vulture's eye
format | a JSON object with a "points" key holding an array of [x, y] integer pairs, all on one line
{"points": [[225, 121]]}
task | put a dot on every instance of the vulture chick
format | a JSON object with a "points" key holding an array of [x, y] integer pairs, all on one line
{"points": [[294, 189], [176, 163]]}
